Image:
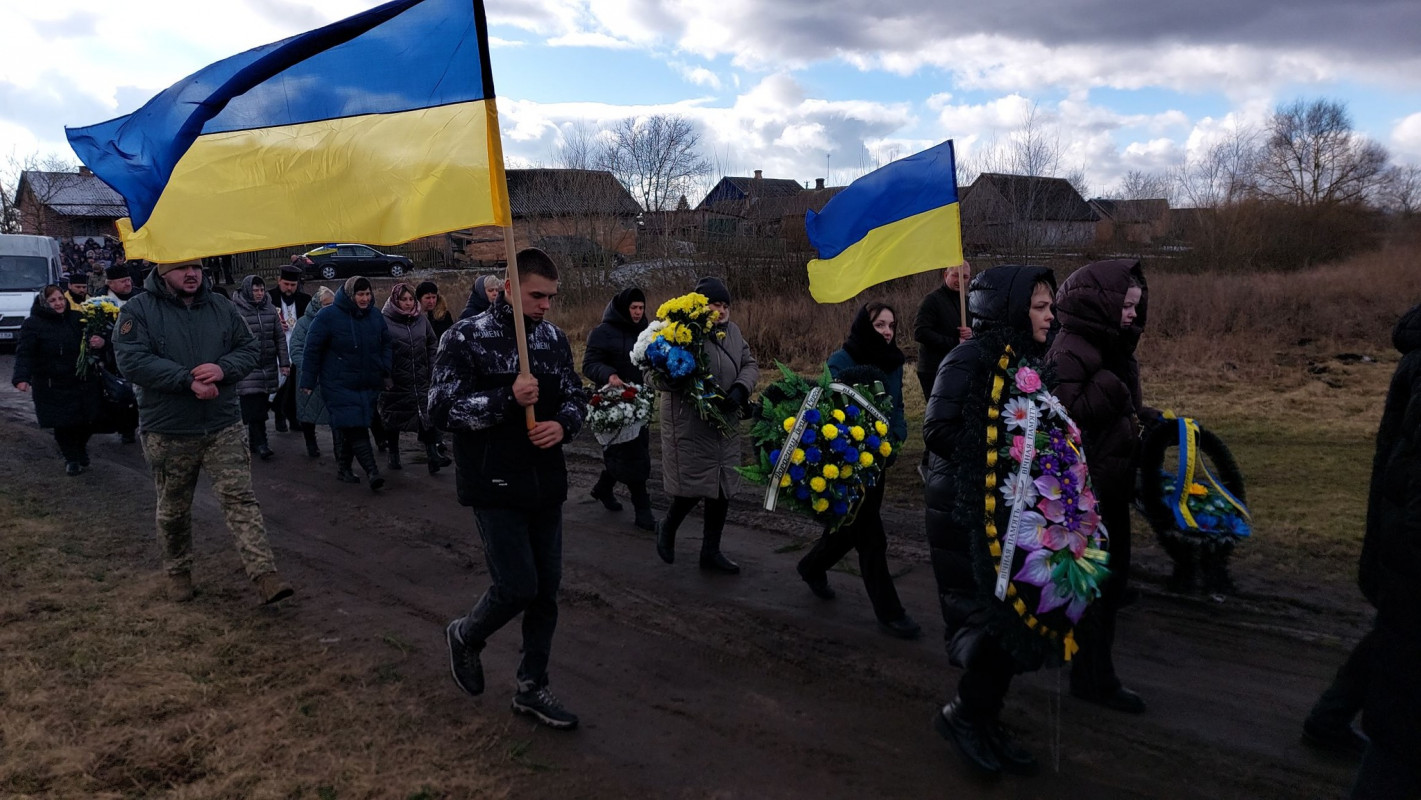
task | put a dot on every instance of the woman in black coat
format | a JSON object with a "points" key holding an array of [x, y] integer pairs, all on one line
{"points": [[1011, 307], [404, 406], [1102, 307], [608, 360], [45, 364]]}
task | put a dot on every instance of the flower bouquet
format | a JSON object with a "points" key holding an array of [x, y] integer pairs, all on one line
{"points": [[820, 446], [99, 315], [616, 414], [1044, 535], [672, 349]]}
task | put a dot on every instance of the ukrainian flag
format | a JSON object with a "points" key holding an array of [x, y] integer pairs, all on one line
{"points": [[380, 128], [898, 220]]}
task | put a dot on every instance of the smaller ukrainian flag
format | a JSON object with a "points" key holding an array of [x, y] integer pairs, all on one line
{"points": [[898, 220], [379, 128]]}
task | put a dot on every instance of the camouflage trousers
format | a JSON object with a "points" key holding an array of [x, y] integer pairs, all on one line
{"points": [[176, 461]]}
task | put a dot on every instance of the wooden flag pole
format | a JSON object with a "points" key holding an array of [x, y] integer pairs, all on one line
{"points": [[961, 294], [520, 330]]}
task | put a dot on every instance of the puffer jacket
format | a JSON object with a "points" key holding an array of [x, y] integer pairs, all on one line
{"points": [[348, 358], [159, 339], [405, 405], [697, 459], [1097, 374], [609, 345], [309, 407], [265, 324], [45, 358], [472, 396], [954, 431]]}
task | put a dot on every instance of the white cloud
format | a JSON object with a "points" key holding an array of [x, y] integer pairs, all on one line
{"points": [[589, 39], [1406, 139], [700, 76]]}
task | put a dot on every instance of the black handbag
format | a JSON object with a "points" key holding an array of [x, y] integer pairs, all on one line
{"points": [[118, 391]]}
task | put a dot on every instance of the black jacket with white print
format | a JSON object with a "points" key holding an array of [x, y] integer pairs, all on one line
{"points": [[471, 395]]}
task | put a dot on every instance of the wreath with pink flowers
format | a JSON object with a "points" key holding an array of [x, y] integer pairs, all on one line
{"points": [[1044, 533]]}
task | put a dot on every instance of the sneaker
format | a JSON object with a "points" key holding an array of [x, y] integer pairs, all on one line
{"points": [[541, 704], [464, 662]]}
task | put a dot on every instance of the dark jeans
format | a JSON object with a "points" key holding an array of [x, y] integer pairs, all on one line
{"points": [[1093, 668], [984, 684], [523, 550], [866, 535], [73, 441]]}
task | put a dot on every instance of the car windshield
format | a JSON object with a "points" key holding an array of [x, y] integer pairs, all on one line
{"points": [[23, 273]]}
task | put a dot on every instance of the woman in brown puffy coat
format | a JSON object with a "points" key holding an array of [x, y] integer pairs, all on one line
{"points": [[1101, 310]]}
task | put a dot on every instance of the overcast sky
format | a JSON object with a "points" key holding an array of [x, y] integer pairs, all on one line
{"points": [[798, 88]]}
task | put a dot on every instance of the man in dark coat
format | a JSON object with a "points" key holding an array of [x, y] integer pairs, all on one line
{"points": [[290, 303], [120, 284], [1102, 308], [513, 476], [1380, 675], [938, 327], [76, 289], [185, 348], [608, 361]]}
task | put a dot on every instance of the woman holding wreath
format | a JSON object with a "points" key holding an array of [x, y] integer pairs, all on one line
{"points": [[869, 355], [608, 361], [1012, 315], [698, 458]]}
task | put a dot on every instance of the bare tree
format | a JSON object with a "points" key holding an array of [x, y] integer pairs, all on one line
{"points": [[1137, 185], [1312, 156], [657, 158], [1223, 174], [50, 175], [1400, 191]]}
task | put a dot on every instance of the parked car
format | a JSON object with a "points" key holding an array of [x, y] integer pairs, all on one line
{"points": [[579, 251], [333, 261]]}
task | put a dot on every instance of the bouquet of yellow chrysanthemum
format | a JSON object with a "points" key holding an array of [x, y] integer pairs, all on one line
{"points": [[672, 350], [99, 315]]}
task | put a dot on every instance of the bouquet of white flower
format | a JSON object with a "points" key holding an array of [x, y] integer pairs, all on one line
{"points": [[616, 414]]}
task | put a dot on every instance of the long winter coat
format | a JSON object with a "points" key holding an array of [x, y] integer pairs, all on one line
{"points": [[405, 405], [1391, 552], [954, 431], [697, 460], [609, 352], [45, 358], [478, 299], [935, 327], [265, 324], [348, 358], [309, 407], [1098, 379]]}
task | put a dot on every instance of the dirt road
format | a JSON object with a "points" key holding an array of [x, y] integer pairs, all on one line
{"points": [[696, 686]]}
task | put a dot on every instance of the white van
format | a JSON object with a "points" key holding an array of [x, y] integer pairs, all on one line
{"points": [[27, 263]]}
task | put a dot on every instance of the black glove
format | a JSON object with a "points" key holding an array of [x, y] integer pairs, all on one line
{"points": [[738, 395]]}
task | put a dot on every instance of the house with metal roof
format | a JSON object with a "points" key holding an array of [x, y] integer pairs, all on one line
{"points": [[67, 204]]}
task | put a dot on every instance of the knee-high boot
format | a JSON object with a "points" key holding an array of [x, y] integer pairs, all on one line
{"points": [[308, 432], [641, 501], [365, 454], [344, 456], [392, 449], [711, 557]]}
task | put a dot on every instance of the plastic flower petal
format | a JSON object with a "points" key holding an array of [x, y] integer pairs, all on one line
{"points": [[857, 433], [1051, 598], [837, 415], [1018, 489], [789, 424], [1049, 487], [1036, 570], [885, 449], [817, 483], [829, 432], [821, 505], [785, 481], [866, 459], [1017, 411], [880, 427], [797, 457], [830, 471], [1029, 533]]}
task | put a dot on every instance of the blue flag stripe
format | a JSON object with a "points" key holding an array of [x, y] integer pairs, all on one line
{"points": [[401, 56], [902, 189]]}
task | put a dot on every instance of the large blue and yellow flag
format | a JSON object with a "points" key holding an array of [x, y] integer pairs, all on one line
{"points": [[380, 128], [897, 220]]}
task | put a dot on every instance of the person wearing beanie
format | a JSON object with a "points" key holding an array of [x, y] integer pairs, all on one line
{"points": [[185, 349], [431, 302], [120, 285], [348, 357], [76, 289], [698, 459], [608, 362], [290, 304]]}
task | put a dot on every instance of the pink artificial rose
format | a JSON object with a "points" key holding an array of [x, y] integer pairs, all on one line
{"points": [[1028, 381], [1018, 445]]}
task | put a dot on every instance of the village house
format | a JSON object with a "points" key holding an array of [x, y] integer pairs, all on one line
{"points": [[67, 205], [1131, 221], [581, 217], [1024, 213]]}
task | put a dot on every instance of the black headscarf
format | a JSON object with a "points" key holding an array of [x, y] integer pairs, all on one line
{"points": [[867, 346]]}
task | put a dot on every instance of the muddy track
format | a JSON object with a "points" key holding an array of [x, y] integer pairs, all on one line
{"points": [[697, 686]]}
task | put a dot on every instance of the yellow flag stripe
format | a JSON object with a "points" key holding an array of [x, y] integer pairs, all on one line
{"points": [[380, 179], [922, 242]]}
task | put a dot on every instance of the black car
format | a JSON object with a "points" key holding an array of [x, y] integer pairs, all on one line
{"points": [[332, 261]]}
